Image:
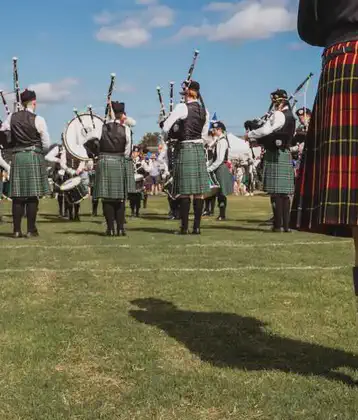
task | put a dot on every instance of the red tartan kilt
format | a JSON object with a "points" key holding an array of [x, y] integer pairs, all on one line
{"points": [[326, 196]]}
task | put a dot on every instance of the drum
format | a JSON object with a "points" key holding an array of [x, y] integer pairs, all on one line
{"points": [[74, 189], [75, 135], [139, 182], [214, 184]]}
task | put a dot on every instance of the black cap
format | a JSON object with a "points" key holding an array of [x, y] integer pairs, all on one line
{"points": [[136, 149], [218, 124], [193, 85], [279, 95], [302, 111], [28, 96], [118, 107]]}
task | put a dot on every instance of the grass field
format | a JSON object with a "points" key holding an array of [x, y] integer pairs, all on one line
{"points": [[239, 323]]}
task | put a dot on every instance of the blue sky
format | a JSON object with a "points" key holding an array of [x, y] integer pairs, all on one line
{"points": [[68, 49]]}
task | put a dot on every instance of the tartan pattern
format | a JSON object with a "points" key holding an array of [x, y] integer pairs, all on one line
{"points": [[190, 175], [326, 197], [225, 180], [278, 175], [28, 175], [114, 178]]}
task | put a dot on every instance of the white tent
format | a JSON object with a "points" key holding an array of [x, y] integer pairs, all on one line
{"points": [[240, 149]]}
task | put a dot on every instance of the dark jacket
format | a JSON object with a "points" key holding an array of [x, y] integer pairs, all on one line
{"points": [[324, 23]]}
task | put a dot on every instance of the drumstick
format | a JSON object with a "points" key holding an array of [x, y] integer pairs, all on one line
{"points": [[80, 120], [91, 114]]}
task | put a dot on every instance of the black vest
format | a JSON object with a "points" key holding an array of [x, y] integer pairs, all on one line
{"points": [[23, 130], [192, 127], [113, 138], [285, 134], [215, 154]]}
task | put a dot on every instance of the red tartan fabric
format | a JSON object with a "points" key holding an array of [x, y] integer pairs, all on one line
{"points": [[326, 196]]}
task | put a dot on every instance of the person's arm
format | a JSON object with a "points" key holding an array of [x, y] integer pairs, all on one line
{"points": [[220, 155], [180, 112], [128, 149], [276, 122], [51, 156], [6, 124], [41, 127], [310, 28], [205, 132], [4, 164]]}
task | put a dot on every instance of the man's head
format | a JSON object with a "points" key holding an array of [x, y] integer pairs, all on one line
{"points": [[28, 99], [218, 128], [304, 115], [136, 151], [119, 111], [192, 90], [279, 99]]}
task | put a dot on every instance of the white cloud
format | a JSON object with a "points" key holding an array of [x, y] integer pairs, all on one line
{"points": [[136, 28], [248, 20], [219, 6], [47, 92]]}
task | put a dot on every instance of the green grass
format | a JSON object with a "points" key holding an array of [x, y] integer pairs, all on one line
{"points": [[115, 328]]}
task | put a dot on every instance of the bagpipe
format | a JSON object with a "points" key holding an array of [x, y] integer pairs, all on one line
{"points": [[257, 123]]}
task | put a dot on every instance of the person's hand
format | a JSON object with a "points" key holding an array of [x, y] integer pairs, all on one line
{"points": [[246, 137]]}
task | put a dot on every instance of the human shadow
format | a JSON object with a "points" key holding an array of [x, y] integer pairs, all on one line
{"points": [[223, 226], [82, 232], [152, 230], [239, 342]]}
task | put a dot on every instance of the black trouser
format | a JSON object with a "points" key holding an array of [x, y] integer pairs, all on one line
{"points": [[18, 211], [281, 208], [135, 202], [210, 204], [174, 206], [61, 203], [222, 201], [198, 204], [114, 211], [94, 206], [72, 208]]}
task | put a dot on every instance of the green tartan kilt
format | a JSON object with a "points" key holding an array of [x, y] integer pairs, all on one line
{"points": [[278, 175], [28, 175], [190, 175], [114, 178], [224, 178]]}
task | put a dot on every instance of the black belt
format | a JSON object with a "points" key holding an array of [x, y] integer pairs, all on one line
{"points": [[334, 54]]}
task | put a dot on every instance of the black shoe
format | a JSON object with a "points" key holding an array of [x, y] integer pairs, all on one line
{"points": [[287, 230], [137, 215], [276, 230], [33, 234], [109, 232], [181, 232], [196, 231], [206, 213], [121, 232], [17, 235], [94, 214], [221, 219], [77, 219]]}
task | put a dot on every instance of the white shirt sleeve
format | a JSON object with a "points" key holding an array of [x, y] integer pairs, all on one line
{"points": [[273, 124], [221, 148], [4, 164], [205, 133], [128, 149], [180, 112], [130, 122], [41, 127], [6, 124], [52, 155]]}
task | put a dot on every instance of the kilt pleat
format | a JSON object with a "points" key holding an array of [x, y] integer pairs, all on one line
{"points": [[278, 174], [114, 178], [225, 180], [28, 175], [190, 175], [326, 196]]}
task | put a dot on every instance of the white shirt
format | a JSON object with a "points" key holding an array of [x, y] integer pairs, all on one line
{"points": [[4, 164], [221, 148], [180, 112], [40, 125], [275, 123]]}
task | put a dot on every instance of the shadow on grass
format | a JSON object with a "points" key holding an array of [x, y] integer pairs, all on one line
{"points": [[238, 342]]}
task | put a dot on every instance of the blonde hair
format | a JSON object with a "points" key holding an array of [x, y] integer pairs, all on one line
{"points": [[193, 93]]}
